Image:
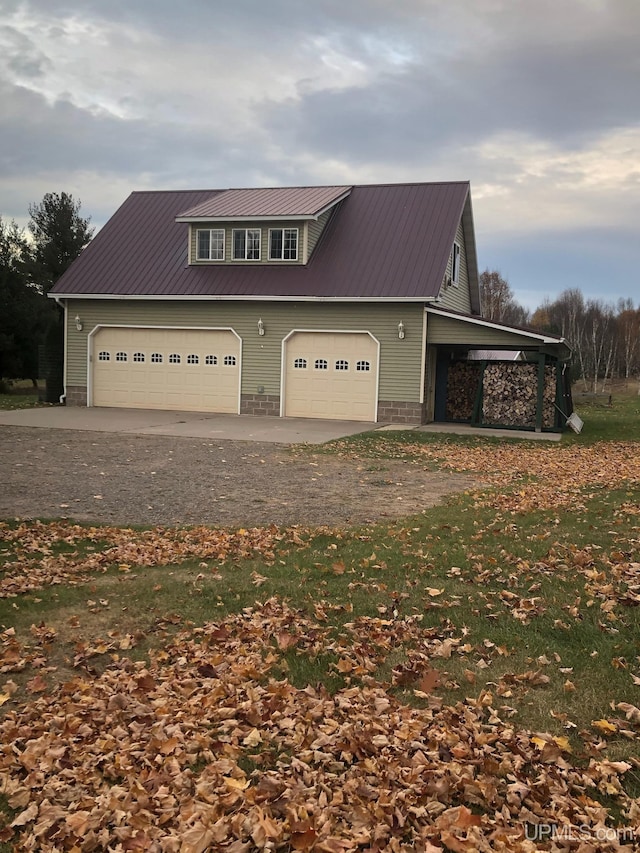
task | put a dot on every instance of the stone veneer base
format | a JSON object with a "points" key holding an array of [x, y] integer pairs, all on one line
{"points": [[389, 411], [260, 404], [76, 395], [400, 412]]}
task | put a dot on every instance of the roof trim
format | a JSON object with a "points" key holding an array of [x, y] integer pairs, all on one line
{"points": [[237, 298], [333, 203]]}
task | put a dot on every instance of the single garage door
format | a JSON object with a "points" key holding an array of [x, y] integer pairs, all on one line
{"points": [[331, 375], [180, 369]]}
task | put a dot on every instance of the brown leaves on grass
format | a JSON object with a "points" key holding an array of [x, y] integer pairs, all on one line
{"points": [[16, 657], [561, 472], [38, 562], [201, 749]]}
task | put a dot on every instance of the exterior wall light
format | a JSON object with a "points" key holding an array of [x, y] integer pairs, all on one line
{"points": [[260, 327], [401, 330], [78, 322]]}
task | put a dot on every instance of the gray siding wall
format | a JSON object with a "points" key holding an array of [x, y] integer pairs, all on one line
{"points": [[400, 360], [457, 297], [445, 330], [315, 229], [229, 227]]}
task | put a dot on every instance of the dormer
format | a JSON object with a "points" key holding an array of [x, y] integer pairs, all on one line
{"points": [[269, 225]]}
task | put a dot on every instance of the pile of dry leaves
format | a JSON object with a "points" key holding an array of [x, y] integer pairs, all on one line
{"points": [[204, 749], [560, 472], [38, 561]]}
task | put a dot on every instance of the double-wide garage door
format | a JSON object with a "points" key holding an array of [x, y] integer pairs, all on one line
{"points": [[180, 369], [331, 375]]}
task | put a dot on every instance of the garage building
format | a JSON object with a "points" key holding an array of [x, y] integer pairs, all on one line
{"points": [[343, 302]]}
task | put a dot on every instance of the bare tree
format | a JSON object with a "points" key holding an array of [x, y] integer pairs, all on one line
{"points": [[566, 316], [601, 341], [498, 301], [628, 338]]}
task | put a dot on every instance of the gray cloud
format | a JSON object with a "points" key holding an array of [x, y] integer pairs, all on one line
{"points": [[537, 103]]}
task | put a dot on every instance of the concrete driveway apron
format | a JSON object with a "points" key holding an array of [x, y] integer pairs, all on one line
{"points": [[185, 424]]}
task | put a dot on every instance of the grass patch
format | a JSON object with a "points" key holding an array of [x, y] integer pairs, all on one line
{"points": [[618, 422], [18, 395], [544, 594]]}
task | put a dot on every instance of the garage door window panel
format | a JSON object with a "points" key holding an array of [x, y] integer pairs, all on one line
{"points": [[172, 375], [342, 382], [300, 363], [230, 361], [104, 356], [121, 356]]}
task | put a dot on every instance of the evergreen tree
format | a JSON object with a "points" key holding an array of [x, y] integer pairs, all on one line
{"points": [[24, 312], [59, 235]]}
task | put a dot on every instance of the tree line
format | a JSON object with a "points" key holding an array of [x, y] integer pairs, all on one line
{"points": [[31, 261], [604, 336]]}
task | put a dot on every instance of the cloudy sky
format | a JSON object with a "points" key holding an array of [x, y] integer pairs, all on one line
{"points": [[536, 102]]}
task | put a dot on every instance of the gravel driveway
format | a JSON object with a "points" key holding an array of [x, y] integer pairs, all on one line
{"points": [[141, 479]]}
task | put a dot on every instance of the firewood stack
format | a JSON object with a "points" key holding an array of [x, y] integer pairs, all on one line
{"points": [[510, 393], [463, 378], [549, 399]]}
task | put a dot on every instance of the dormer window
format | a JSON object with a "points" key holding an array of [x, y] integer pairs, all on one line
{"points": [[246, 244], [283, 244], [210, 244]]}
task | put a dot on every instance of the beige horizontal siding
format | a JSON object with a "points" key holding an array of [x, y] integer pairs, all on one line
{"points": [[446, 330], [261, 355], [457, 296], [315, 229]]}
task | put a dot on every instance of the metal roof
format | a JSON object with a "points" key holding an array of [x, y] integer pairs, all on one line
{"points": [[267, 202], [383, 241]]}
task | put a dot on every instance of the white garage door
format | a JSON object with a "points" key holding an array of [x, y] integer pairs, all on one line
{"points": [[331, 375], [180, 369]]}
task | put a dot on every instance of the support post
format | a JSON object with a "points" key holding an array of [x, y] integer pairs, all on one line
{"points": [[540, 402]]}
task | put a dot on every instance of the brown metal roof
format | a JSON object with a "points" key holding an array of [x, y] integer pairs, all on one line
{"points": [[384, 241], [266, 202]]}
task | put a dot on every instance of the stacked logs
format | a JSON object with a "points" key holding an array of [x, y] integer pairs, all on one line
{"points": [[462, 388], [510, 395], [549, 399]]}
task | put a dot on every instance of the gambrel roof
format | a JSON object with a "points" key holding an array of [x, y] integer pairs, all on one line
{"points": [[382, 242]]}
